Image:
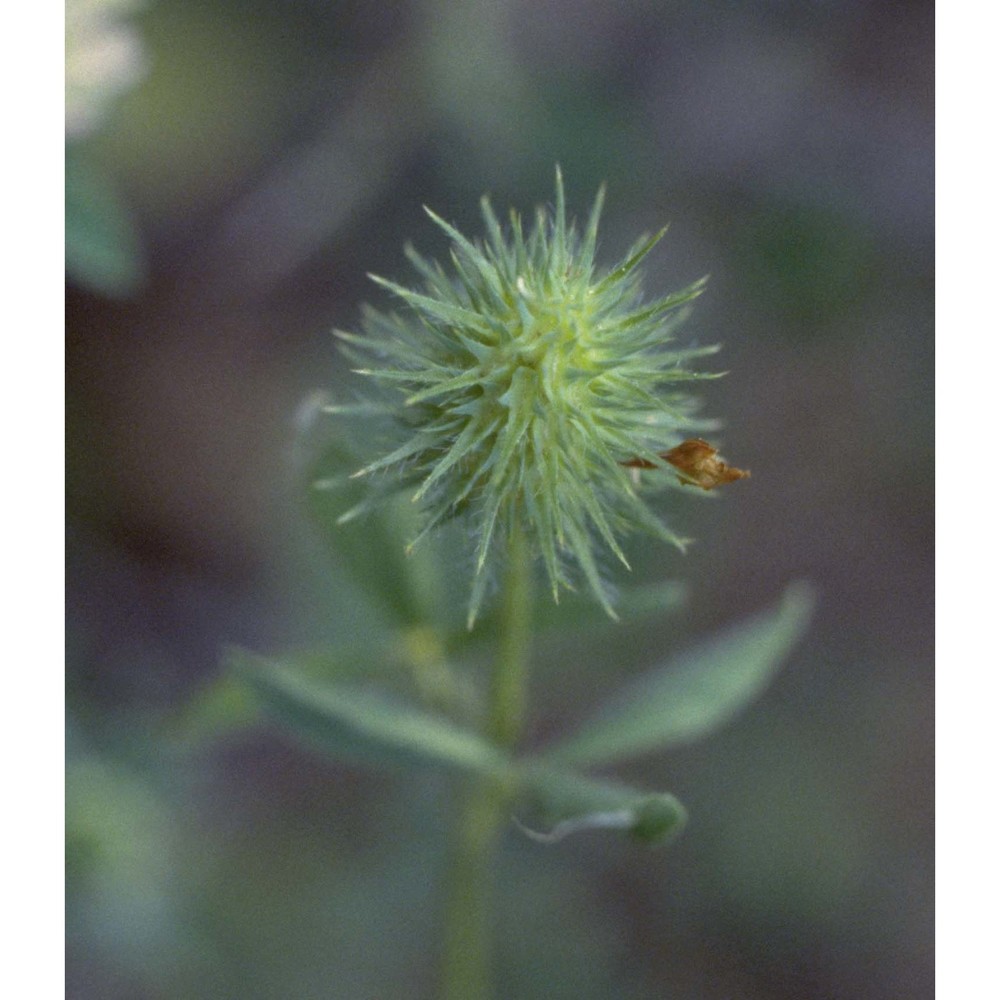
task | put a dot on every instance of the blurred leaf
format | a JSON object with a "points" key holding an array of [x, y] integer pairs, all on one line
{"points": [[409, 662], [570, 802], [633, 605], [223, 706], [353, 723], [103, 252], [372, 548], [695, 693], [120, 858], [226, 705]]}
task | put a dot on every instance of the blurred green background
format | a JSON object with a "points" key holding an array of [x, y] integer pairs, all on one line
{"points": [[268, 156]]}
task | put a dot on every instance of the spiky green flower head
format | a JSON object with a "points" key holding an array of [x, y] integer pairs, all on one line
{"points": [[520, 382]]}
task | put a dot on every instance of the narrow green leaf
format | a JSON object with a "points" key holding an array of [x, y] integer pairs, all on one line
{"points": [[473, 252], [518, 400], [226, 705], [437, 280], [580, 545], [520, 249], [468, 441], [560, 250], [626, 267], [435, 308], [566, 802], [353, 723], [433, 375], [450, 385], [417, 444], [364, 350], [497, 251], [694, 694], [488, 275], [590, 234], [480, 581], [655, 309]]}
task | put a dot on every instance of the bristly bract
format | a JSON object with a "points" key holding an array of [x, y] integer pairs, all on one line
{"points": [[516, 384]]}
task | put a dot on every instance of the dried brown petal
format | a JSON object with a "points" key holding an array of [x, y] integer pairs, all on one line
{"points": [[697, 463]]}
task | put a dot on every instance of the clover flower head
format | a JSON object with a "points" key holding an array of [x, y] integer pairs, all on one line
{"points": [[527, 388]]}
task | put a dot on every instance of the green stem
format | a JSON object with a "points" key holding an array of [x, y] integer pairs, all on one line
{"points": [[509, 692], [468, 932]]}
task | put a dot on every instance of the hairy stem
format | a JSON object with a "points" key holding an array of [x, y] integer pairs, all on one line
{"points": [[468, 933]]}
